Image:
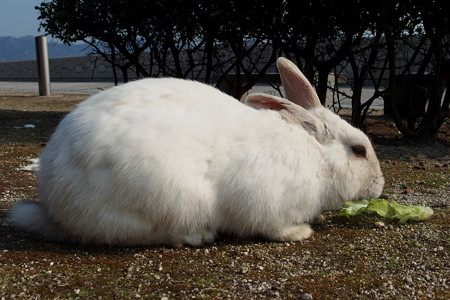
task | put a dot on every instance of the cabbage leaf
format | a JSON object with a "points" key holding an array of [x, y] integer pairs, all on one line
{"points": [[386, 209]]}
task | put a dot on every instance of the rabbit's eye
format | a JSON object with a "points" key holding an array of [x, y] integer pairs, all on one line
{"points": [[359, 151]]}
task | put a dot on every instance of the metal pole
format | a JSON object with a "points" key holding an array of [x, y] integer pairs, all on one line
{"points": [[43, 67]]}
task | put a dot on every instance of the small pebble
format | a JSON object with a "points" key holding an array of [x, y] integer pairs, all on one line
{"points": [[379, 225], [407, 190], [306, 297]]}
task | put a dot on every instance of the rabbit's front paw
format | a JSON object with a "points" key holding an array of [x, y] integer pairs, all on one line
{"points": [[196, 239], [295, 233]]}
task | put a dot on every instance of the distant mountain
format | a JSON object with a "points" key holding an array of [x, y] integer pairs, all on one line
{"points": [[23, 48]]}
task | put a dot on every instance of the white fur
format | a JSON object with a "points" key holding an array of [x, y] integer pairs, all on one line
{"points": [[169, 161]]}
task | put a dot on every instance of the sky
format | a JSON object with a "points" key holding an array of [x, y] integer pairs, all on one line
{"points": [[19, 18]]}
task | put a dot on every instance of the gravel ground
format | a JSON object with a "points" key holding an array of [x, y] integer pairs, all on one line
{"points": [[347, 258]]}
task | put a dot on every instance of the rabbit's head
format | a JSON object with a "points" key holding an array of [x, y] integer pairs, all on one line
{"points": [[352, 171]]}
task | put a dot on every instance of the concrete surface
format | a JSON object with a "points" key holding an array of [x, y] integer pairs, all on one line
{"points": [[95, 87], [57, 87]]}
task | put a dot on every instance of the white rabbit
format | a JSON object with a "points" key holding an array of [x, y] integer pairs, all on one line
{"points": [[170, 161]]}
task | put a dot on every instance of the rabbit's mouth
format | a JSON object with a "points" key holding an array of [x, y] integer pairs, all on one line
{"points": [[375, 189]]}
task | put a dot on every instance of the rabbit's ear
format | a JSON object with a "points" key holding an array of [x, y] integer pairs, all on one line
{"points": [[290, 112], [266, 101], [297, 87]]}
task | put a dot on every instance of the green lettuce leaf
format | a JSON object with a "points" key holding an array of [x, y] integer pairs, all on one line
{"points": [[386, 209]]}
